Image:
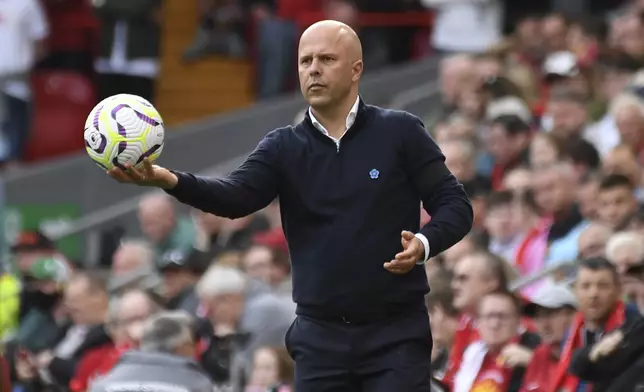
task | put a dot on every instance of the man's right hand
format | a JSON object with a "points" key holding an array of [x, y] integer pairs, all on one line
{"points": [[149, 175]]}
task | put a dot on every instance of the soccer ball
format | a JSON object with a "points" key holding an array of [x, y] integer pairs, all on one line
{"points": [[123, 129]]}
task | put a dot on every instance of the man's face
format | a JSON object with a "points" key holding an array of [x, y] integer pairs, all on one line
{"points": [[156, 224], [592, 242], [630, 124], [552, 324], [616, 205], [588, 199], [568, 118], [457, 162], [225, 309], [470, 282], [257, 263], [500, 145], [596, 292], [134, 310], [326, 70], [84, 304], [555, 33], [498, 320], [499, 222], [550, 192]]}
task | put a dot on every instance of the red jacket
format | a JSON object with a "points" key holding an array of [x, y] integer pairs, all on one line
{"points": [[539, 373], [292, 9], [94, 363], [5, 381]]}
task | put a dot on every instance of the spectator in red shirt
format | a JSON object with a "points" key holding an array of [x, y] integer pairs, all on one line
{"points": [[5, 381], [496, 362], [553, 307]]}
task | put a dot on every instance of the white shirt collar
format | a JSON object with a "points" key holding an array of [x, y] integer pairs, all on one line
{"points": [[351, 118]]}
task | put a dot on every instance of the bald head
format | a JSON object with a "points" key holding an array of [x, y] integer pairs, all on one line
{"points": [[157, 216], [330, 66], [344, 36]]}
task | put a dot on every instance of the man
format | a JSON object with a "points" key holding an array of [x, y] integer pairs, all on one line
{"points": [[349, 179], [502, 226], [163, 227], [496, 361], [552, 308], [617, 201], [597, 289], [163, 363], [508, 142]]}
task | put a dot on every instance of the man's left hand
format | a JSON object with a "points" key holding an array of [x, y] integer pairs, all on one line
{"points": [[413, 252]]}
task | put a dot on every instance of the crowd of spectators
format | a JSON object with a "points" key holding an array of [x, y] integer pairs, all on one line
{"points": [[544, 127]]}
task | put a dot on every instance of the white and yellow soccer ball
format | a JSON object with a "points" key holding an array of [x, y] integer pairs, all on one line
{"points": [[124, 129]]}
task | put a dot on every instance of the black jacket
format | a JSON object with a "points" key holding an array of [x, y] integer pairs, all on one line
{"points": [[622, 370]]}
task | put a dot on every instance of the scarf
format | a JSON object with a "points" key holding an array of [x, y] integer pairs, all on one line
{"points": [[574, 341]]}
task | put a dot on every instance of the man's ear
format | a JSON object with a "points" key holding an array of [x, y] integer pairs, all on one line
{"points": [[357, 67]]}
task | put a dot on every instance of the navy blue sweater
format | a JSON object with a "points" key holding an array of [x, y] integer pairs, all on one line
{"points": [[343, 209]]}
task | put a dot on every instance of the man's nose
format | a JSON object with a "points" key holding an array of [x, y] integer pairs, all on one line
{"points": [[314, 68]]}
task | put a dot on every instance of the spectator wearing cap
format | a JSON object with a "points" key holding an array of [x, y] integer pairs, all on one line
{"points": [[29, 247], [43, 322], [552, 308], [508, 143], [180, 273]]}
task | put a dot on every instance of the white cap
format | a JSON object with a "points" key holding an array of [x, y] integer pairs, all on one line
{"points": [[551, 296], [509, 106], [561, 64]]}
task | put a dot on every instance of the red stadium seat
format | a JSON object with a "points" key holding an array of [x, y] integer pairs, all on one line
{"points": [[62, 101]]}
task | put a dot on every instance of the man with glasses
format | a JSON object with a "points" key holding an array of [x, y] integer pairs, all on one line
{"points": [[497, 361]]}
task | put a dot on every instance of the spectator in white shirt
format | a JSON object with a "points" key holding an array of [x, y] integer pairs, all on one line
{"points": [[470, 26], [23, 28]]}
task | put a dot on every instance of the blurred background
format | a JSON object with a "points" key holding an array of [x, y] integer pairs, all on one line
{"points": [[537, 105]]}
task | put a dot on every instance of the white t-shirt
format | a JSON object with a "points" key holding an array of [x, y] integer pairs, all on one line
{"points": [[22, 23], [471, 26]]}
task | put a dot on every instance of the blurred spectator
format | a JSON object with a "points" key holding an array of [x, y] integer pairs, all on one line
{"points": [[502, 228], [443, 318], [617, 201], [469, 26], [593, 240], [628, 111], [220, 30], [497, 361], [273, 371], [133, 265], [552, 307], [24, 28], [622, 161], [164, 361], [588, 195], [545, 151], [508, 143], [129, 47], [240, 324], [180, 273], [125, 322], [624, 250], [216, 235], [163, 226]]}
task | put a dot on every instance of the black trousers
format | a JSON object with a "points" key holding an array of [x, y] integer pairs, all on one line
{"points": [[390, 355]]}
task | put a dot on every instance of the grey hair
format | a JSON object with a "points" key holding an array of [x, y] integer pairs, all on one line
{"points": [[166, 332], [625, 239], [116, 303]]}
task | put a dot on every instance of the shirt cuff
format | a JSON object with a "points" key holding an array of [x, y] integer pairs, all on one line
{"points": [[423, 239]]}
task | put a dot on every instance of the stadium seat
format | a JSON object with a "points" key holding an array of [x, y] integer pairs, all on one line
{"points": [[190, 91], [62, 101]]}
